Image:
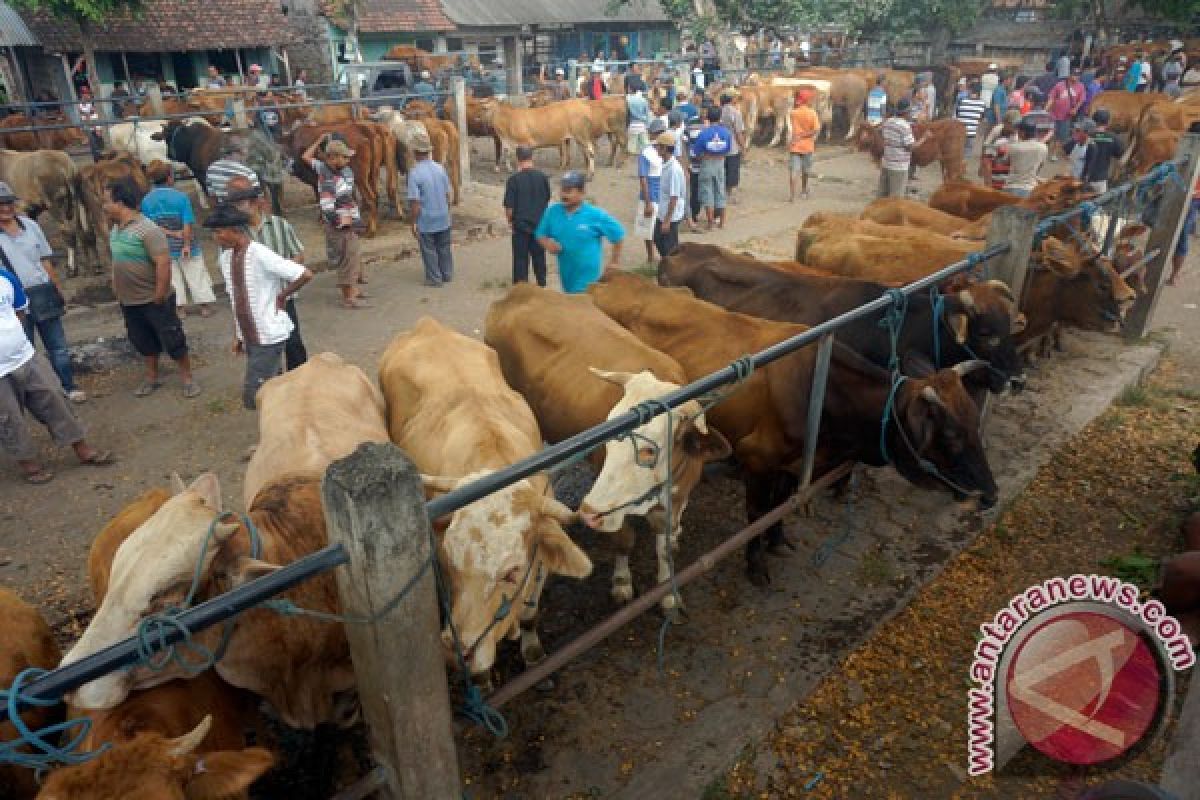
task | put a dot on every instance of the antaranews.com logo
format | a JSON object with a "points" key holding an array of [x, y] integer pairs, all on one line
{"points": [[1078, 667]]}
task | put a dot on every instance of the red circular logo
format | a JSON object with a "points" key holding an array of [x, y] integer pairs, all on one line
{"points": [[1083, 687]]}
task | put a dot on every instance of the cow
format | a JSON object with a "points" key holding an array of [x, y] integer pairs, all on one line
{"points": [[947, 139], [443, 136], [610, 115], [977, 321], [847, 91], [194, 143], [576, 368], [449, 408], [1125, 108], [548, 126], [54, 132], [972, 201], [1151, 149], [913, 213], [154, 767], [92, 189], [365, 162], [759, 103], [885, 259], [930, 426], [301, 666], [25, 642], [47, 180], [310, 417], [478, 116], [117, 530]]}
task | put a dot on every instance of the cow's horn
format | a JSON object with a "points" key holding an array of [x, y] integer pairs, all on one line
{"points": [[439, 483], [966, 299], [930, 394], [1002, 288], [187, 743], [964, 368], [618, 378], [177, 484]]}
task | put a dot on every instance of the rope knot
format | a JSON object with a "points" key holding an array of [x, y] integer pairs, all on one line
{"points": [[45, 754]]}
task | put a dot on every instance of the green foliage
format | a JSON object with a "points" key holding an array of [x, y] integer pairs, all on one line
{"points": [[1138, 569], [81, 10], [1178, 10]]}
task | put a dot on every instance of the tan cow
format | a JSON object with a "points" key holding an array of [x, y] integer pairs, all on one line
{"points": [[25, 641], [610, 115], [548, 126], [577, 368], [443, 137], [847, 90], [54, 132], [913, 213], [1125, 108], [449, 408], [884, 259], [310, 417], [105, 544], [46, 180]]}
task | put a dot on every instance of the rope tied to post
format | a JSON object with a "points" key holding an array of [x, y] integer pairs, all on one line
{"points": [[45, 754], [893, 321]]}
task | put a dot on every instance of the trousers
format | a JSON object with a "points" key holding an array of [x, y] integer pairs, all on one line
{"points": [[294, 351], [54, 337], [437, 257], [34, 387], [525, 248]]}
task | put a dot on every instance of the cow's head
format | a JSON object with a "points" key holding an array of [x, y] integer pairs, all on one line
{"points": [[486, 551], [153, 570], [1091, 294], [635, 473], [933, 437], [152, 767], [984, 317]]}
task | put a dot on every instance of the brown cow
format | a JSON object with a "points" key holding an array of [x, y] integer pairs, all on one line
{"points": [[62, 135], [971, 200], [548, 126], [610, 115], [947, 138], [884, 259], [1125, 108], [92, 187], [362, 139], [25, 641], [1152, 149], [764, 420], [914, 213], [576, 368], [47, 180]]}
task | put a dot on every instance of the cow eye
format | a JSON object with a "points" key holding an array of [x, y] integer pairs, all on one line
{"points": [[647, 456], [512, 576]]}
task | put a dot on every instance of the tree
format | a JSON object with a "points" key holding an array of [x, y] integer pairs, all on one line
{"points": [[344, 14], [85, 14]]}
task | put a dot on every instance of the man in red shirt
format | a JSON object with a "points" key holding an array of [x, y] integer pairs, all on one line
{"points": [[1064, 102]]}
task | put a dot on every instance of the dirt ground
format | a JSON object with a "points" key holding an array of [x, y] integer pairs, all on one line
{"points": [[613, 725]]}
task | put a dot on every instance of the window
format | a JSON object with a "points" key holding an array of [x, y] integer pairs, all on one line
{"points": [[454, 45]]}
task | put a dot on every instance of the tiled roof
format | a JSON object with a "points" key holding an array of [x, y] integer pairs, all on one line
{"points": [[172, 25], [509, 13], [402, 16]]}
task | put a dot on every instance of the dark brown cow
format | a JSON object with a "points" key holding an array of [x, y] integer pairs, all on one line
{"points": [[945, 145], [932, 419], [364, 164]]}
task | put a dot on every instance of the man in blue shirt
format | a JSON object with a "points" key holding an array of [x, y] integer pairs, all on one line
{"points": [[171, 210], [712, 145], [573, 231], [429, 199], [877, 102]]}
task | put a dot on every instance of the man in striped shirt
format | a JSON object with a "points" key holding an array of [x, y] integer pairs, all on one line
{"points": [[970, 112], [898, 144], [230, 165], [280, 238]]}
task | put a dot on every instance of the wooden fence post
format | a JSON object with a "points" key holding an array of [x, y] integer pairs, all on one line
{"points": [[1017, 227], [459, 87], [1168, 227], [375, 507], [238, 104], [154, 95]]}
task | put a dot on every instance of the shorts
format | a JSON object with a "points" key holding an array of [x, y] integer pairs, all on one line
{"points": [[263, 362], [1062, 130], [733, 171], [637, 143], [155, 328], [712, 183], [801, 162]]}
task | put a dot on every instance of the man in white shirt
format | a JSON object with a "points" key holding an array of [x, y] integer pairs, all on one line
{"points": [[1025, 159], [28, 383], [259, 282], [987, 84], [672, 196]]}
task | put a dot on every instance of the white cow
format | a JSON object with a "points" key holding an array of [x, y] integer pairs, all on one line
{"points": [[135, 135]]}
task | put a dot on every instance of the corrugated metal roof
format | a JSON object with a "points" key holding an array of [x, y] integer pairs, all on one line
{"points": [[489, 13], [13, 30]]}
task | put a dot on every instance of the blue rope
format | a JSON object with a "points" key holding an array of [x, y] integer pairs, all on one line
{"points": [[897, 381], [44, 753], [822, 553], [938, 302], [893, 321], [477, 710]]}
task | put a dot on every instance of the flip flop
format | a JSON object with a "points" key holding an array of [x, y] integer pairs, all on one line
{"points": [[39, 476], [147, 388], [99, 458], [356, 305], [191, 389]]}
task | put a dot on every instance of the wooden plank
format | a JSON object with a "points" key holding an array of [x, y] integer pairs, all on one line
{"points": [[1166, 232], [1017, 227], [375, 507], [459, 87]]}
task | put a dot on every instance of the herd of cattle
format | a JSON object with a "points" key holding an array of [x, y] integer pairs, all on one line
{"points": [[550, 366]]}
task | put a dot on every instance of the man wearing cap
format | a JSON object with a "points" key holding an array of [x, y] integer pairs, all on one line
{"points": [[805, 125], [713, 145], [732, 119], [671, 205], [898, 144], [25, 253], [278, 236], [27, 383], [260, 283], [994, 164], [340, 216], [574, 231], [141, 280], [429, 209], [526, 195], [231, 163], [171, 210], [424, 87], [1076, 149], [649, 173], [256, 78], [1064, 102]]}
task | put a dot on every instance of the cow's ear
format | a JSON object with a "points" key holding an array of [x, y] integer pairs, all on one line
{"points": [[209, 489], [707, 445], [561, 555], [247, 569], [227, 773], [1058, 257]]}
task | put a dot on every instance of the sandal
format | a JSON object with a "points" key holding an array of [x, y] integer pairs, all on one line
{"points": [[39, 476], [99, 458], [191, 390], [355, 305], [147, 388]]}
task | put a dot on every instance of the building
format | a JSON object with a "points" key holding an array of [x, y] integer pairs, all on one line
{"points": [[17, 46], [168, 40]]}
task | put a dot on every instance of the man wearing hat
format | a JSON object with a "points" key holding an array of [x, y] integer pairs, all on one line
{"points": [[671, 206], [25, 253], [1076, 149], [429, 209], [574, 230], [340, 216], [898, 144], [256, 78], [171, 210], [231, 163], [424, 87], [260, 283], [650, 166], [526, 195], [27, 383], [805, 125]]}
